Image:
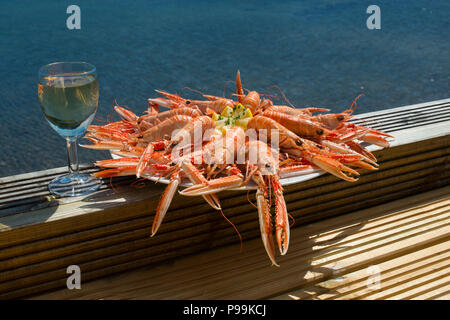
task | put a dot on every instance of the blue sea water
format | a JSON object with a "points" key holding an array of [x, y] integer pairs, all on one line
{"points": [[319, 52]]}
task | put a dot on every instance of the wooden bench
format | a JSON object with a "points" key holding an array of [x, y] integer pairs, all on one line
{"points": [[389, 218]]}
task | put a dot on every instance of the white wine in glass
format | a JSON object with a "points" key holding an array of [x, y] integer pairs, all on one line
{"points": [[68, 95]]}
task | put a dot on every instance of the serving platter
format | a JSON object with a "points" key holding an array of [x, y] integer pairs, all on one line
{"points": [[309, 174], [304, 175], [301, 176]]}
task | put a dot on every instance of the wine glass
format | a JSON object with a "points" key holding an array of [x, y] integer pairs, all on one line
{"points": [[68, 95]]}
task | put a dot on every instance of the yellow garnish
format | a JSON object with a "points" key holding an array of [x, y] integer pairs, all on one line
{"points": [[237, 116], [227, 112], [239, 109], [248, 114]]}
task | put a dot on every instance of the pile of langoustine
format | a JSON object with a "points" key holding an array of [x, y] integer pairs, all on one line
{"points": [[304, 141]]}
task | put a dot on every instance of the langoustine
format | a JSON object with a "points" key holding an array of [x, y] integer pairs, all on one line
{"points": [[159, 144]]}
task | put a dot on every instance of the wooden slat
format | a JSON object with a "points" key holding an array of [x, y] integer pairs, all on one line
{"points": [[395, 275], [405, 109], [406, 237], [406, 117], [438, 279], [436, 294], [405, 122]]}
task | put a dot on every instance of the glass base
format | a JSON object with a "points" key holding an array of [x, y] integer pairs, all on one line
{"points": [[74, 184]]}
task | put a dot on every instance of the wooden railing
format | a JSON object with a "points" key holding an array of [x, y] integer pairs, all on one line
{"points": [[109, 231]]}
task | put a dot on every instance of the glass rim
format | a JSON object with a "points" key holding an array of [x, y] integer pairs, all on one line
{"points": [[92, 68]]}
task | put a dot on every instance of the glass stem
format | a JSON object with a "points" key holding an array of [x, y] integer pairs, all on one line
{"points": [[72, 156]]}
